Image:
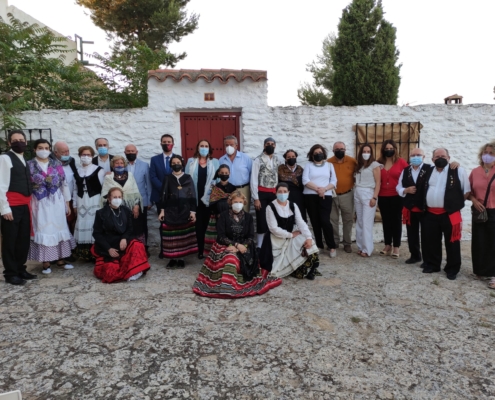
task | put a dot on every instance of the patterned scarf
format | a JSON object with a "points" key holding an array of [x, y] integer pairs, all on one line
{"points": [[46, 183], [286, 175], [217, 194]]}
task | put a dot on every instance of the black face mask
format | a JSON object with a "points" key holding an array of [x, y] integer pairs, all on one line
{"points": [[318, 157], [176, 167], [224, 178], [269, 149], [18, 147], [388, 153], [131, 157], [167, 147], [339, 154], [441, 162], [291, 161]]}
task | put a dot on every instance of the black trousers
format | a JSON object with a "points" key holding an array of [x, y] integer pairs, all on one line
{"points": [[483, 246], [16, 236], [145, 224], [202, 217], [265, 198], [433, 227], [319, 210], [391, 212], [413, 238]]}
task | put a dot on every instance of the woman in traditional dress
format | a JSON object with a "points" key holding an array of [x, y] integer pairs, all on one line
{"points": [[482, 180], [289, 249], [202, 168], [218, 203], [119, 256], [178, 215], [132, 199], [366, 190], [291, 173], [232, 269], [86, 201], [319, 180], [52, 240]]}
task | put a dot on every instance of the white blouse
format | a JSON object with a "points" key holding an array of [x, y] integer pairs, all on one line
{"points": [[84, 171], [285, 212], [321, 176], [365, 177]]}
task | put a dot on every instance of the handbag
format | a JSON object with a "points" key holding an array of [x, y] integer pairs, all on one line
{"points": [[480, 217]]}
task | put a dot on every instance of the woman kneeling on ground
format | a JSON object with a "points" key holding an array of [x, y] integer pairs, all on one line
{"points": [[119, 256], [289, 249], [232, 269]]}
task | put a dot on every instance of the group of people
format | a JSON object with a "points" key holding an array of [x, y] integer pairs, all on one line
{"points": [[55, 211]]}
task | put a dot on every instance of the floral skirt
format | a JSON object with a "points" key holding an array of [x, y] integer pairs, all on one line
{"points": [[312, 261]]}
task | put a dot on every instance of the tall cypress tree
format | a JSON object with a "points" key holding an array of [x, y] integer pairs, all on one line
{"points": [[364, 57]]}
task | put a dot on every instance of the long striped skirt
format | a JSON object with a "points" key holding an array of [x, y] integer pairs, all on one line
{"points": [[221, 277], [132, 262], [211, 234], [179, 240]]}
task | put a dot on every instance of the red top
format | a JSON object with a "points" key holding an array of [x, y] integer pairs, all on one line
{"points": [[390, 178]]}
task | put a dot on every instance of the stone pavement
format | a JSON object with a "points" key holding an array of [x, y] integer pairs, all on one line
{"points": [[367, 329]]}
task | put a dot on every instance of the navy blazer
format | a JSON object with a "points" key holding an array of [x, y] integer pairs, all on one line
{"points": [[157, 174], [142, 176]]}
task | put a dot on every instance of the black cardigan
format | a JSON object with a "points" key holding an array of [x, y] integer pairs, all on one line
{"points": [[225, 235], [105, 234]]}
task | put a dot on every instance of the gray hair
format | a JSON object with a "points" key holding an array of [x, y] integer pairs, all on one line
{"points": [[441, 148], [96, 140], [231, 137], [336, 143], [58, 142]]}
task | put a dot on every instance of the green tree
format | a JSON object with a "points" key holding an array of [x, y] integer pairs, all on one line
{"points": [[319, 93], [365, 57], [155, 22]]}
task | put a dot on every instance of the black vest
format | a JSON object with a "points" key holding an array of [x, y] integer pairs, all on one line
{"points": [[284, 223], [454, 196], [412, 200], [20, 177], [93, 185]]}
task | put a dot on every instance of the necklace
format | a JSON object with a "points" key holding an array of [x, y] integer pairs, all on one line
{"points": [[179, 186], [117, 216]]}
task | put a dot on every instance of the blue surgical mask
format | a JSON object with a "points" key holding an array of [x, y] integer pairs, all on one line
{"points": [[64, 158], [102, 151], [204, 151], [282, 197], [416, 160], [119, 170]]}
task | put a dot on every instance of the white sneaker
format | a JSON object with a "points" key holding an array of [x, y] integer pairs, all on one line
{"points": [[68, 266], [46, 271], [333, 254], [135, 277]]}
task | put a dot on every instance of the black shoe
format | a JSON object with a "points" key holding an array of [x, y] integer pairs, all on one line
{"points": [[172, 264], [451, 277], [423, 265], [27, 276], [311, 274], [181, 264], [430, 270], [160, 255], [15, 280], [413, 260], [201, 256]]}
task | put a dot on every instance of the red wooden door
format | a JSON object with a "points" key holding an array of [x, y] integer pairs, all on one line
{"points": [[212, 126]]}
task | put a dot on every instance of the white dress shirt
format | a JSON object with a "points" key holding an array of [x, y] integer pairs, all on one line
{"points": [[438, 183], [131, 167], [414, 173], [69, 177], [5, 167], [285, 212], [255, 173], [104, 164]]}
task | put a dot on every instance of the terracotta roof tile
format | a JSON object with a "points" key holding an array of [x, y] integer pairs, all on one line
{"points": [[223, 75]]}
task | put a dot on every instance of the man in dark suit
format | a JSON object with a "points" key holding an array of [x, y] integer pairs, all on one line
{"points": [[103, 158], [159, 167]]}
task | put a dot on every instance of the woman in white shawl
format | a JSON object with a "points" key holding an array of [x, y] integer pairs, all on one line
{"points": [[293, 250], [132, 198]]}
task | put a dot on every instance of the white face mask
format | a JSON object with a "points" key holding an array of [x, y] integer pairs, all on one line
{"points": [[85, 160], [116, 202], [230, 150], [366, 156], [237, 207], [42, 154]]}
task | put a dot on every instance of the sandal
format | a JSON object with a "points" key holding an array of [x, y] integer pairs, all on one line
{"points": [[395, 255], [363, 254], [359, 252], [385, 253]]}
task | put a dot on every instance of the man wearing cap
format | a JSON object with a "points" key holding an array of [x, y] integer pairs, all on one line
{"points": [[264, 179], [240, 167]]}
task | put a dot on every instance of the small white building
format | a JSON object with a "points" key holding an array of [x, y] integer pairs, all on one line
{"points": [[5, 9]]}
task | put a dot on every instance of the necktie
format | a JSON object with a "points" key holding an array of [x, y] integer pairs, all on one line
{"points": [[167, 166]]}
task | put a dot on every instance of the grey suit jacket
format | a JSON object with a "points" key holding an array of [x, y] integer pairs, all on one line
{"points": [[142, 175]]}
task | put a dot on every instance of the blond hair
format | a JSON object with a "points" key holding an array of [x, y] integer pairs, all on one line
{"points": [[236, 194], [117, 158], [482, 150]]}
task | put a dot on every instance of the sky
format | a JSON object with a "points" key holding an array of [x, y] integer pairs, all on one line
{"points": [[445, 45]]}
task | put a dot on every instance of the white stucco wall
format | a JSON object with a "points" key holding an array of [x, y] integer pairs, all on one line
{"points": [[462, 129]]}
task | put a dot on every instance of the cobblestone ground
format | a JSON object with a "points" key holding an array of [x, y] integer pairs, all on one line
{"points": [[367, 329]]}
